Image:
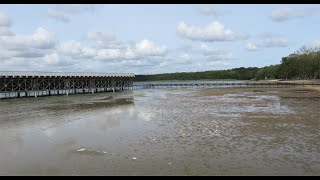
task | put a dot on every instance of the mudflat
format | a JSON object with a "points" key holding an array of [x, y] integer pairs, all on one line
{"points": [[222, 131]]}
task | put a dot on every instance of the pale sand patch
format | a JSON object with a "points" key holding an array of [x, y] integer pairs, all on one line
{"points": [[316, 88]]}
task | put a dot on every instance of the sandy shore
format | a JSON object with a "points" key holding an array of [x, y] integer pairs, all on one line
{"points": [[315, 88]]}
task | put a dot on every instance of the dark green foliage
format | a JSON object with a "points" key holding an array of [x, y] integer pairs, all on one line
{"points": [[268, 72], [237, 73], [303, 64]]}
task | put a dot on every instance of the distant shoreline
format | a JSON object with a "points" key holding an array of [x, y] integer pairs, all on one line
{"points": [[315, 89]]}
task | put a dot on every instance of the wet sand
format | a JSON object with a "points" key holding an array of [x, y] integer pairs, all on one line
{"points": [[225, 131]]}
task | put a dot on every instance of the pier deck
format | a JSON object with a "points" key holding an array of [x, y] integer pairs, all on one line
{"points": [[33, 84]]}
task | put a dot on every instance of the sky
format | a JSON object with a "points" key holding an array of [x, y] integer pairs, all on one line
{"points": [[151, 39]]}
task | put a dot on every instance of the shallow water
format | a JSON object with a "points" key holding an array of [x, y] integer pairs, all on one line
{"points": [[162, 132]]}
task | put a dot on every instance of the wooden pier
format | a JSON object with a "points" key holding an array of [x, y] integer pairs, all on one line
{"points": [[224, 85], [34, 84]]}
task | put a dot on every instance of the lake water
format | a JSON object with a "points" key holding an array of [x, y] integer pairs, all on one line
{"points": [[163, 132]]}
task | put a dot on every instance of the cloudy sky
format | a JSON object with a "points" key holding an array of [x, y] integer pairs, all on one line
{"points": [[149, 39]]}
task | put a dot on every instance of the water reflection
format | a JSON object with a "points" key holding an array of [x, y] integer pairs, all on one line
{"points": [[162, 132]]}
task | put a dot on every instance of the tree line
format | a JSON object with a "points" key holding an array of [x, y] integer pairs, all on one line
{"points": [[302, 64]]}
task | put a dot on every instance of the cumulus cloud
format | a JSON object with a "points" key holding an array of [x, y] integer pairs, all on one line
{"points": [[62, 12], [40, 39], [52, 59], [285, 13], [185, 57], [209, 9], [76, 50], [142, 49], [214, 31], [214, 54], [58, 16], [55, 60], [148, 48], [252, 47], [105, 40], [5, 23], [41, 51], [206, 50], [109, 54], [208, 53], [5, 31], [4, 20], [17, 48], [100, 36], [267, 42]]}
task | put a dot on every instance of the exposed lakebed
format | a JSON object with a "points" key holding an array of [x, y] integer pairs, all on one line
{"points": [[163, 132]]}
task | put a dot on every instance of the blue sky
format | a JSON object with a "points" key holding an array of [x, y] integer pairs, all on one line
{"points": [[149, 39]]}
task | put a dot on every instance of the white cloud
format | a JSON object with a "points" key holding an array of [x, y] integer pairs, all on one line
{"points": [[274, 42], [4, 20], [144, 48], [209, 9], [15, 62], [4, 54], [148, 48], [41, 51], [109, 54], [252, 47], [22, 53], [105, 40], [52, 59], [286, 13], [58, 16], [100, 36], [267, 42], [5, 31], [130, 54], [62, 12], [18, 48], [214, 31], [214, 54], [206, 50], [185, 57], [76, 50], [40, 39]]}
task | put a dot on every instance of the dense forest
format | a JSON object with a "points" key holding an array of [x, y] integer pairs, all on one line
{"points": [[302, 64]]}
